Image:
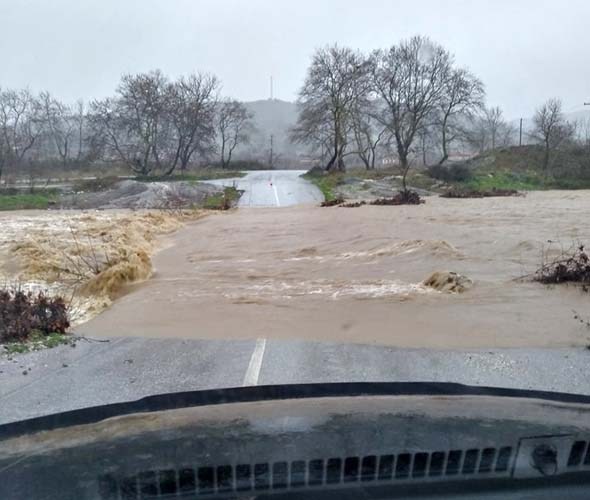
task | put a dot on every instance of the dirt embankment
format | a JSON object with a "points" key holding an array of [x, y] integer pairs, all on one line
{"points": [[86, 257]]}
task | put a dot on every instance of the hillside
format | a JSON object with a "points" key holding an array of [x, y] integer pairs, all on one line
{"points": [[522, 168]]}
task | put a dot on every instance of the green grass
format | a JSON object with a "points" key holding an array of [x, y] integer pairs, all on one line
{"points": [[38, 341], [329, 182], [38, 200], [522, 181], [223, 201], [325, 183]]}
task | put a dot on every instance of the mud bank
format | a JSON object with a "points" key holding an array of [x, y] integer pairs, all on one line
{"points": [[358, 276]]}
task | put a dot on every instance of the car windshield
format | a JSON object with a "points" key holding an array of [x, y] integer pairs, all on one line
{"points": [[224, 194]]}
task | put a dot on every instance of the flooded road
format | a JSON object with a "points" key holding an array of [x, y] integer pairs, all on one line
{"points": [[273, 188], [354, 275]]}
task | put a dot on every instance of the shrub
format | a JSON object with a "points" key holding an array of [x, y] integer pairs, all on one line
{"points": [[24, 314], [572, 266], [452, 173]]}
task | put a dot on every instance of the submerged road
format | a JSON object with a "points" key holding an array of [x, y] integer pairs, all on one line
{"points": [[273, 188]]}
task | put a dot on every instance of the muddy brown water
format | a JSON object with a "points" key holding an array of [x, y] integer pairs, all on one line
{"points": [[354, 275]]}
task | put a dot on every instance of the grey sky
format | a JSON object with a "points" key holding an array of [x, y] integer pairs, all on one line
{"points": [[524, 51]]}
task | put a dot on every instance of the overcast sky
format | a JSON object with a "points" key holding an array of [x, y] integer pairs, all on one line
{"points": [[525, 51]]}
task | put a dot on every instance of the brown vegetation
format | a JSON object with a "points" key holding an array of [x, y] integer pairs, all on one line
{"points": [[404, 197], [474, 193], [22, 314], [93, 257], [572, 266]]}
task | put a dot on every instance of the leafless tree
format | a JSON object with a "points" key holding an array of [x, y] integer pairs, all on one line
{"points": [[583, 132], [462, 95], [20, 125], [133, 124], [191, 110], [79, 118], [62, 126], [234, 126], [410, 79], [487, 130], [494, 121], [335, 83], [551, 129], [368, 133]]}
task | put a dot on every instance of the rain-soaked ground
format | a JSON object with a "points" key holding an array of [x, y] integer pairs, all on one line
{"points": [[354, 275]]}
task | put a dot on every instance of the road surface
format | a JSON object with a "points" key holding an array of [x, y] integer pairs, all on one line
{"points": [[273, 188], [125, 369]]}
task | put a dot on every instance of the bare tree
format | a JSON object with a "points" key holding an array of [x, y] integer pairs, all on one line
{"points": [[582, 127], [20, 124], [409, 78], [61, 125], [368, 133], [335, 83], [462, 95], [191, 111], [494, 121], [234, 126], [487, 130], [79, 118], [133, 125], [551, 129]]}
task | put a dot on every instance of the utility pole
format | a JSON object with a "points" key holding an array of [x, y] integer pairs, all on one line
{"points": [[520, 138], [271, 89], [271, 159]]}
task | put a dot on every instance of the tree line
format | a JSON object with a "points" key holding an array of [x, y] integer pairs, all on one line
{"points": [[151, 124], [404, 101], [410, 103]]}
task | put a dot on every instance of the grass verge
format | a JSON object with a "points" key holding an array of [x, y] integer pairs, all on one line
{"points": [[523, 181], [325, 183], [223, 201], [38, 341], [38, 200]]}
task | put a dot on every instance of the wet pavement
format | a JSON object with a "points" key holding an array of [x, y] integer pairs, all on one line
{"points": [[124, 369]]}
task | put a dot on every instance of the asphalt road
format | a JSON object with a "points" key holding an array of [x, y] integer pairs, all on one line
{"points": [[124, 369], [273, 188]]}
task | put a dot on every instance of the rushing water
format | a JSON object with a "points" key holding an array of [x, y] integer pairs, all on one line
{"points": [[355, 275]]}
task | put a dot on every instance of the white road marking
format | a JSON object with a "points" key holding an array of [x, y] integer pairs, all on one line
{"points": [[253, 371], [274, 188]]}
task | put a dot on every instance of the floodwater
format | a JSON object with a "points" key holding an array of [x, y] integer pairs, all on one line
{"points": [[355, 274]]}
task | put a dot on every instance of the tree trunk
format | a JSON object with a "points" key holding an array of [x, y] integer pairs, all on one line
{"points": [[332, 162], [405, 166], [546, 159], [341, 166], [445, 155]]}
